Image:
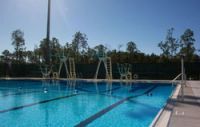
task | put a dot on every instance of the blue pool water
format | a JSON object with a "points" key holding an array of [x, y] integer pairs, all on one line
{"points": [[34, 103]]}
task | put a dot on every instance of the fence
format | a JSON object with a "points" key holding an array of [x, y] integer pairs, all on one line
{"points": [[143, 70]]}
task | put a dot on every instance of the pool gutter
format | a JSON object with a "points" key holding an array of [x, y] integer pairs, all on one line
{"points": [[163, 116], [96, 80]]}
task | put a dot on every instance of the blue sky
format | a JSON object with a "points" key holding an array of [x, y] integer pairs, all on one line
{"points": [[108, 22]]}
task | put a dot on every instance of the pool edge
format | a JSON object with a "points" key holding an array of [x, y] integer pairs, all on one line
{"points": [[163, 116], [96, 80]]}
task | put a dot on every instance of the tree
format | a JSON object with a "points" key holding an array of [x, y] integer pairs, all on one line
{"points": [[101, 50], [131, 47], [55, 48], [187, 44], [170, 45], [18, 42], [165, 48], [44, 50], [68, 49], [119, 52], [6, 55], [79, 42], [91, 54], [37, 54], [119, 47], [30, 56]]}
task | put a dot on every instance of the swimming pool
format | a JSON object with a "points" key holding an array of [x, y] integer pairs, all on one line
{"points": [[36, 103]]}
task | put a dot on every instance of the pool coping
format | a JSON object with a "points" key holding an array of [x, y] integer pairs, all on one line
{"points": [[92, 80], [163, 116]]}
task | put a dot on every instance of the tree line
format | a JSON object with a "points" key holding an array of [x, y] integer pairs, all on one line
{"points": [[79, 49]]}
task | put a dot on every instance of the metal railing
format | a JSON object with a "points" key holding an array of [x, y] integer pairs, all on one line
{"points": [[174, 80]]}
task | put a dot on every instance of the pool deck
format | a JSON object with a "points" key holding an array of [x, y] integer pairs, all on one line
{"points": [[186, 113]]}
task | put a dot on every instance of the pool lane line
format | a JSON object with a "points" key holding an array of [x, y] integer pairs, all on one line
{"points": [[149, 90], [119, 97], [85, 90], [19, 93], [109, 108], [138, 88], [36, 103], [112, 89], [99, 114]]}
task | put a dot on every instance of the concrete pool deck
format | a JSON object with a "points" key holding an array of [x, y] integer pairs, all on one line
{"points": [[186, 113]]}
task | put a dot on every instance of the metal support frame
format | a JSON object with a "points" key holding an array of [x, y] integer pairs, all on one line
{"points": [[107, 65], [63, 61], [182, 78], [124, 71], [72, 68]]}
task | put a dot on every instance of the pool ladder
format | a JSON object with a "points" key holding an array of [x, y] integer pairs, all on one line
{"points": [[179, 76], [72, 70], [108, 67]]}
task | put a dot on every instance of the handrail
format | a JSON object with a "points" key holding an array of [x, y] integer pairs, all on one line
{"points": [[184, 78], [173, 81], [176, 77]]}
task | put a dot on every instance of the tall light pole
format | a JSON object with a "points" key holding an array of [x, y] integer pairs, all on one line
{"points": [[48, 31], [182, 77]]}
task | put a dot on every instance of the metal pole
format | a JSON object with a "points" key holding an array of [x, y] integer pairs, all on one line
{"points": [[48, 30], [182, 78]]}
